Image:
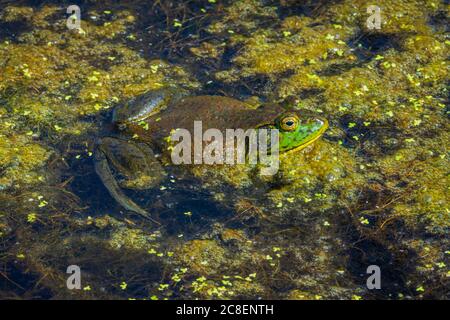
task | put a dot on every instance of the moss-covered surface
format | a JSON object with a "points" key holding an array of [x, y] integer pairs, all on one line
{"points": [[374, 190]]}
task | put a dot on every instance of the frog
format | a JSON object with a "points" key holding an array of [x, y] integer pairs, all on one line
{"points": [[135, 154]]}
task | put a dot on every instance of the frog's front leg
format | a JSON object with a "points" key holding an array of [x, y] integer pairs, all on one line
{"points": [[146, 105], [135, 163]]}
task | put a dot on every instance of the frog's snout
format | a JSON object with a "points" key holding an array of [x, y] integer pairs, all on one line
{"points": [[321, 124]]}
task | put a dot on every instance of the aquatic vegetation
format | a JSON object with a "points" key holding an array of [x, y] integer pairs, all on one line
{"points": [[318, 178], [373, 191], [21, 159], [203, 256], [424, 173]]}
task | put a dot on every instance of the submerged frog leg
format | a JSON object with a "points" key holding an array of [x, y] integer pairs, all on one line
{"points": [[104, 172]]}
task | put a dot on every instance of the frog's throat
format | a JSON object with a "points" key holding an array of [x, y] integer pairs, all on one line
{"points": [[311, 140]]}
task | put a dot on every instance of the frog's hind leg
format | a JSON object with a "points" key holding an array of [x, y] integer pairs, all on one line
{"points": [[104, 172]]}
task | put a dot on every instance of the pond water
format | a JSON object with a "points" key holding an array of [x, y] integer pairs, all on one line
{"points": [[372, 191]]}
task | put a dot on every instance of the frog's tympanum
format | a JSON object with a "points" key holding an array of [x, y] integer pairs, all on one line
{"points": [[132, 157]]}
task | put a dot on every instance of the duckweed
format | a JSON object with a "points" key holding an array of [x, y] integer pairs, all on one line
{"points": [[374, 190]]}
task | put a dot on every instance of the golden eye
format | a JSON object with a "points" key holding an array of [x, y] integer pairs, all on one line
{"points": [[289, 123]]}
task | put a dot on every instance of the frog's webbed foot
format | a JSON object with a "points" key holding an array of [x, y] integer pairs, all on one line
{"points": [[136, 161]]}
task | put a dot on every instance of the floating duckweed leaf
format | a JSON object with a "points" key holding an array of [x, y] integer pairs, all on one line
{"points": [[364, 221], [43, 203], [163, 287], [226, 283], [31, 217]]}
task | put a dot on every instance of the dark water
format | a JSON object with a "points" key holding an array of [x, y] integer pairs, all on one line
{"points": [[372, 191]]}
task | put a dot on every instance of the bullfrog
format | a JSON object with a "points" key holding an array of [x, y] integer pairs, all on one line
{"points": [[134, 156]]}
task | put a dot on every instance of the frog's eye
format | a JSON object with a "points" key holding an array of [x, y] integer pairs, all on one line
{"points": [[289, 123]]}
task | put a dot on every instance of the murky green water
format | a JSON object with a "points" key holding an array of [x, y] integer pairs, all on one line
{"points": [[373, 190]]}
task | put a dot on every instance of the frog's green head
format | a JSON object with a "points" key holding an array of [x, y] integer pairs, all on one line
{"points": [[297, 130]]}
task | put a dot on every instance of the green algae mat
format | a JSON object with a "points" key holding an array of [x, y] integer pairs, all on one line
{"points": [[361, 213]]}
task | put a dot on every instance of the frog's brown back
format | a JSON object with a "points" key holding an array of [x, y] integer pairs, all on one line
{"points": [[214, 112]]}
